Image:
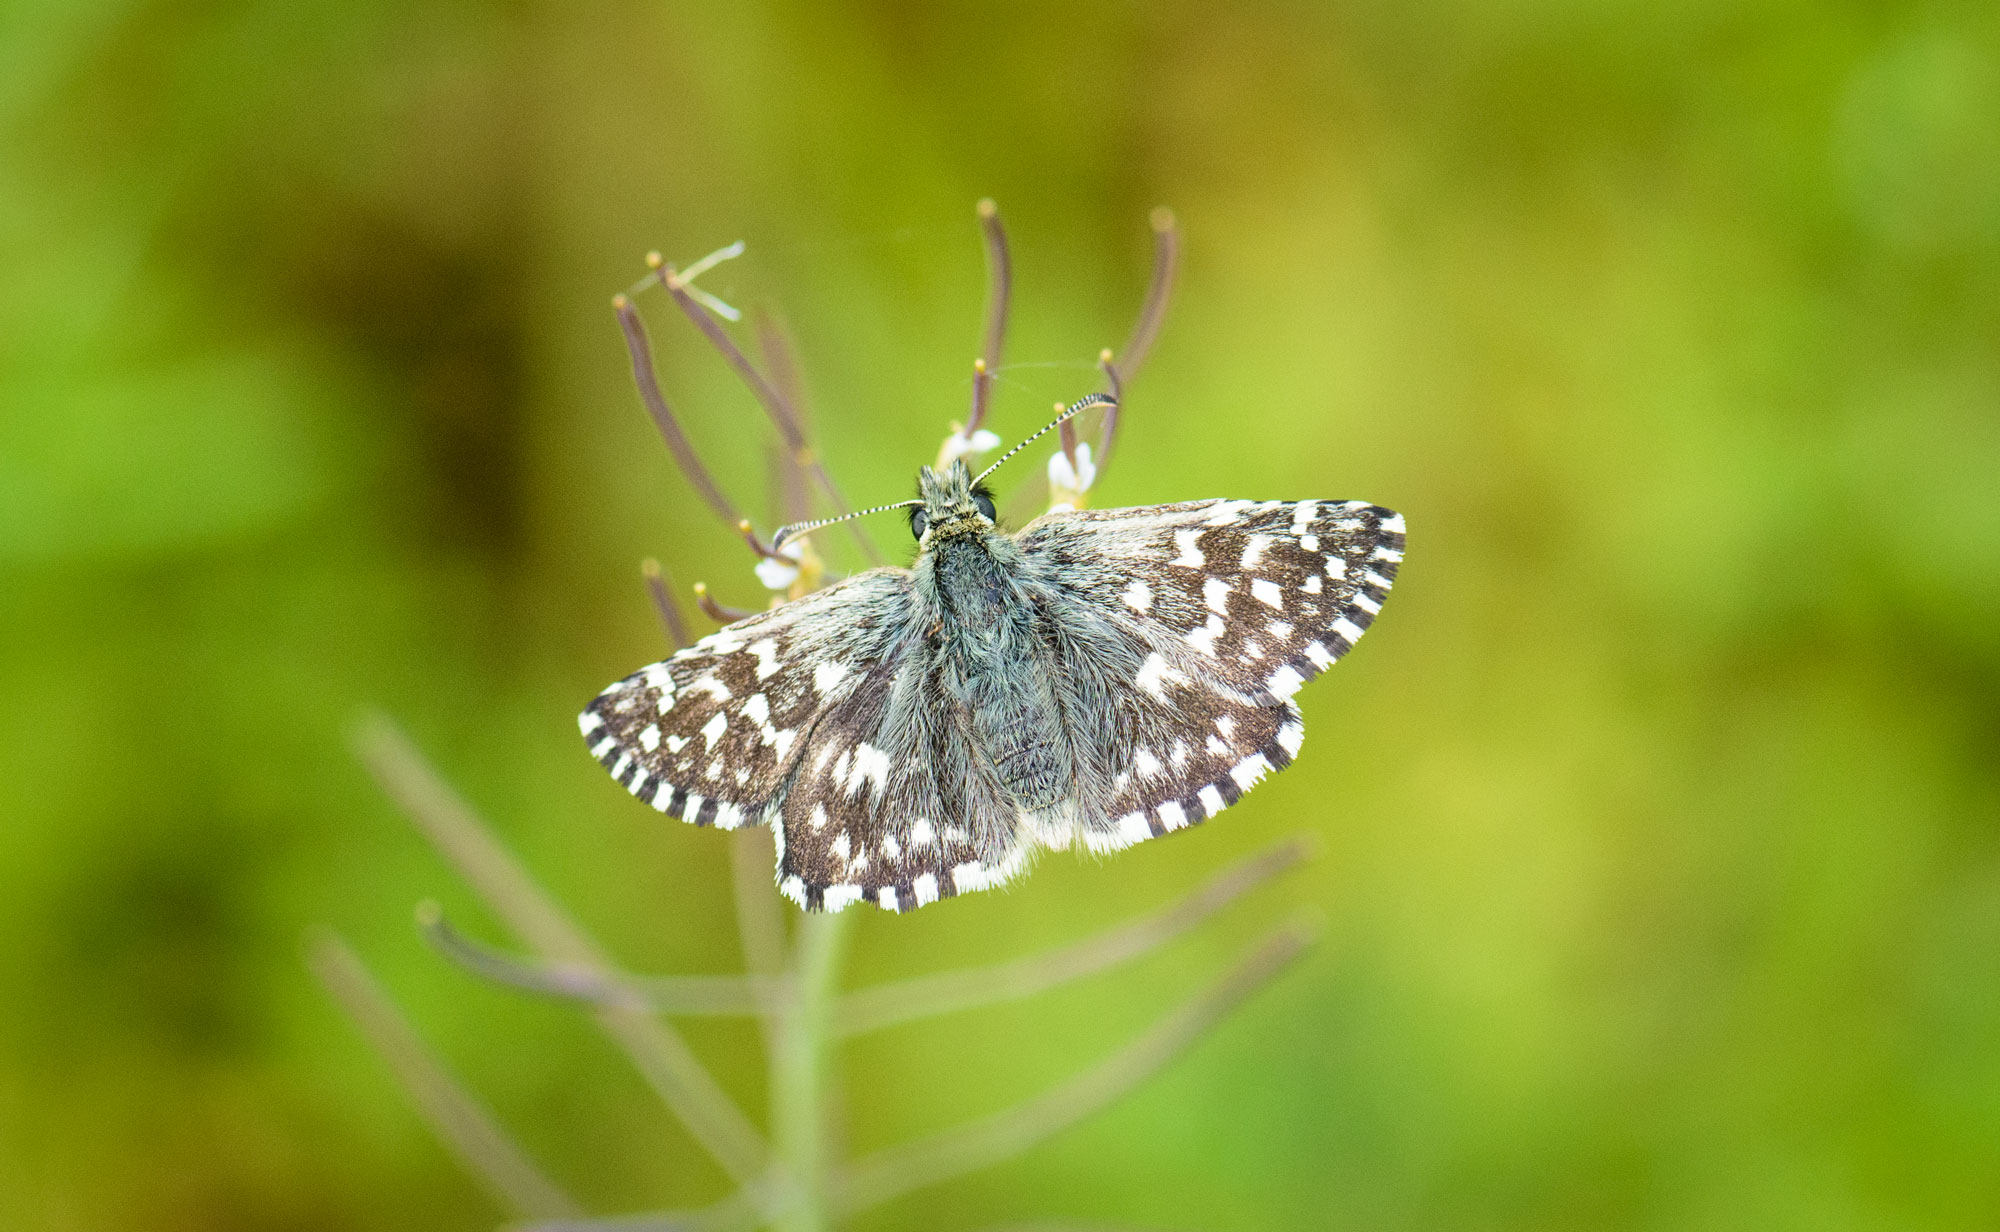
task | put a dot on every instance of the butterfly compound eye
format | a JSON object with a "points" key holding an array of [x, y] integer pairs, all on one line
{"points": [[918, 522], [984, 500]]}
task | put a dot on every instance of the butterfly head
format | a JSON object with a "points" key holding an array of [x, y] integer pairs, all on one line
{"points": [[949, 504]]}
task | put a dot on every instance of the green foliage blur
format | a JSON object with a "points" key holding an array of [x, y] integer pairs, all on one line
{"points": [[1661, 810]]}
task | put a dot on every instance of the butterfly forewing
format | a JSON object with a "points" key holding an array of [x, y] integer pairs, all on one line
{"points": [[1260, 596], [1225, 609], [711, 734]]}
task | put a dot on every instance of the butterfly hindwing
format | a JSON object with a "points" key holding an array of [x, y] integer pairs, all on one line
{"points": [[710, 734], [891, 801]]}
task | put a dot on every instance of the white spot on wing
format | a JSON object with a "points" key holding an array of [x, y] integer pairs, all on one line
{"points": [[1215, 593], [1139, 596], [1128, 830], [1291, 736], [871, 765], [713, 729], [1253, 550], [766, 652], [1227, 512], [1249, 770], [1264, 590], [1190, 554], [712, 685], [1154, 675], [1285, 681], [827, 675], [1348, 630], [1203, 639], [841, 897], [649, 737]]}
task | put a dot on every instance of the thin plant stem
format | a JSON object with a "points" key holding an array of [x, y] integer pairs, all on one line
{"points": [[660, 588], [1153, 311], [800, 1071], [686, 995], [898, 1170], [1146, 330], [656, 1049], [793, 500], [717, 612], [769, 398], [464, 1124], [886, 1005], [999, 294], [648, 381]]}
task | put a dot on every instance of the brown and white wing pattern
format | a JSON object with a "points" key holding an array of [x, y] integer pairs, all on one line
{"points": [[892, 801], [711, 734], [1186, 629]]}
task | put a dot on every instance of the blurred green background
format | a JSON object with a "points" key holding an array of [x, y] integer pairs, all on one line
{"points": [[1661, 811]]}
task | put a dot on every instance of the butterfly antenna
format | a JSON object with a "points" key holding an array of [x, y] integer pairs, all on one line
{"points": [[1075, 408], [788, 533]]}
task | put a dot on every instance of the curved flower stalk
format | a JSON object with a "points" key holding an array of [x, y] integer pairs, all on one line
{"points": [[789, 1175]]}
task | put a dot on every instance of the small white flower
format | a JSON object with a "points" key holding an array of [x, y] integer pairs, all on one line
{"points": [[1065, 478], [777, 573], [959, 445]]}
